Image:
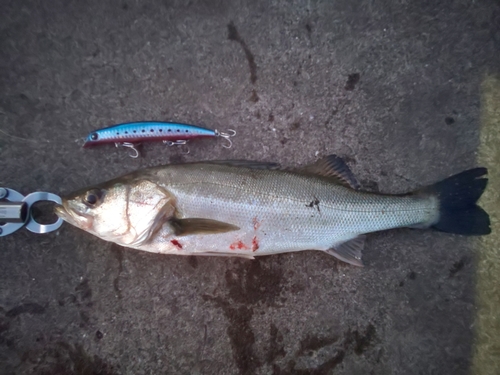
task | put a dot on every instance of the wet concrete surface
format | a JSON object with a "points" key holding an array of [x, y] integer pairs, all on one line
{"points": [[391, 86]]}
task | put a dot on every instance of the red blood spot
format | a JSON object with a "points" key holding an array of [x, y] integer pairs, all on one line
{"points": [[255, 223], [238, 245], [176, 243], [255, 244]]}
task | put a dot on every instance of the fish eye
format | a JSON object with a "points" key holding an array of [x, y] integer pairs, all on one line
{"points": [[93, 198], [94, 136]]}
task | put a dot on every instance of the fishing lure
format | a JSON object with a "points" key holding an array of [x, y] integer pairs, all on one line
{"points": [[170, 133]]}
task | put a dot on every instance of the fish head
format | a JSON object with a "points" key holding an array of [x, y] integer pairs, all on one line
{"points": [[124, 212]]}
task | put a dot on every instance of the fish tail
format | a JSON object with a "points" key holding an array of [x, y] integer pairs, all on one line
{"points": [[458, 211]]}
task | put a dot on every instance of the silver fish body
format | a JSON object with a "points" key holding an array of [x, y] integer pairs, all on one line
{"points": [[243, 209]]}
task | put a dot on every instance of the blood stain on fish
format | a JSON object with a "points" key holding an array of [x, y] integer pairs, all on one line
{"points": [[256, 223], [238, 245], [176, 243], [255, 244]]}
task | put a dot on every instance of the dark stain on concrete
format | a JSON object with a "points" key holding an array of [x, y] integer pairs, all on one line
{"points": [[410, 276], [295, 125], [70, 299], [254, 98], [83, 299], [352, 342], [235, 36], [330, 116], [254, 282], [25, 308], [323, 369], [276, 347], [352, 80], [192, 261], [4, 326], [84, 319], [177, 159], [240, 333], [458, 265], [63, 358], [364, 340], [83, 290], [118, 252], [449, 120], [297, 288], [311, 344], [250, 284]]}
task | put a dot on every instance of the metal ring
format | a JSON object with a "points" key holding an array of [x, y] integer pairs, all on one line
{"points": [[33, 225]]}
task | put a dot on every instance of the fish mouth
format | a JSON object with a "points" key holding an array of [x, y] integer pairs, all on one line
{"points": [[73, 217], [61, 211]]}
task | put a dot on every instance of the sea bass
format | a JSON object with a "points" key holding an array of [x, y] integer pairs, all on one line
{"points": [[248, 209]]}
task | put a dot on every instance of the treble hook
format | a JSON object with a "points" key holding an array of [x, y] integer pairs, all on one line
{"points": [[182, 142], [226, 136], [134, 154]]}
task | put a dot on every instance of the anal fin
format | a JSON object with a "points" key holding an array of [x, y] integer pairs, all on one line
{"points": [[350, 251]]}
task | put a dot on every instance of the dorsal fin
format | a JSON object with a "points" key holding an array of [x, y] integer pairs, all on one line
{"points": [[333, 167]]}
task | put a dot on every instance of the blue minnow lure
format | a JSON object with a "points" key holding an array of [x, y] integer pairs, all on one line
{"points": [[170, 133]]}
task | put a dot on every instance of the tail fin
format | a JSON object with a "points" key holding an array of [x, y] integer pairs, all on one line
{"points": [[458, 211]]}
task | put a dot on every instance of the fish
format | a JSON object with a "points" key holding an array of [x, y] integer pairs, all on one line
{"points": [[247, 209]]}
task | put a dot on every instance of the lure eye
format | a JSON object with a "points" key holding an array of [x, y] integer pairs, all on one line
{"points": [[93, 198], [94, 136]]}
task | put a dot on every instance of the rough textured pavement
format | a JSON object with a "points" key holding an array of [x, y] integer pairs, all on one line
{"points": [[391, 86]]}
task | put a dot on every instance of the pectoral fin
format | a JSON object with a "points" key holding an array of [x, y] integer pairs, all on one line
{"points": [[184, 227], [350, 251]]}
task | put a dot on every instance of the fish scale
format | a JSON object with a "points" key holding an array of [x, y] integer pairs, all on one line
{"points": [[280, 201]]}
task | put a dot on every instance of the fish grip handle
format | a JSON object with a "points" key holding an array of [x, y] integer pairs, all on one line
{"points": [[15, 212]]}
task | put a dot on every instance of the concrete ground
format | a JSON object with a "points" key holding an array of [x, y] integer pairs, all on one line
{"points": [[392, 86]]}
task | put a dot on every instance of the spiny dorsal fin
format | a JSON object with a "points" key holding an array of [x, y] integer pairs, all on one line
{"points": [[333, 167], [184, 227], [350, 251]]}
